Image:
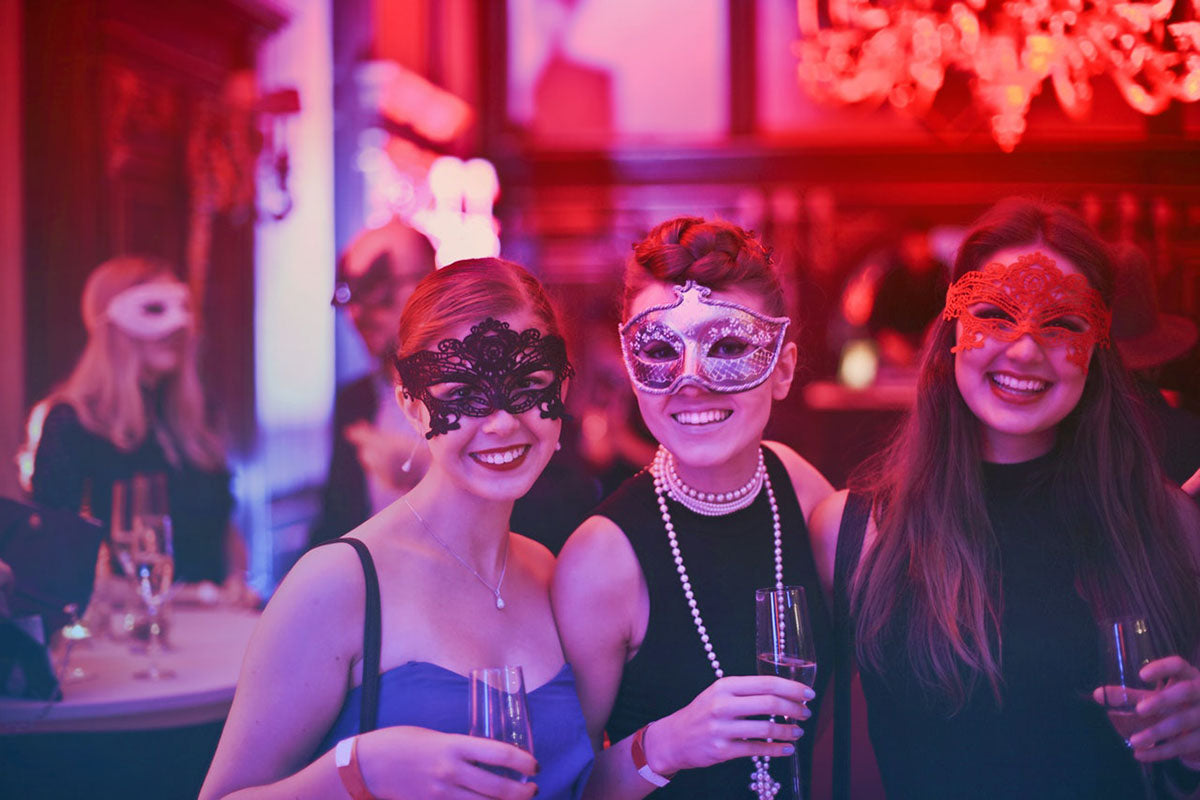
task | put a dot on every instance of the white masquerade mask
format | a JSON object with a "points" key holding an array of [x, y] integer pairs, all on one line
{"points": [[151, 310], [718, 345]]}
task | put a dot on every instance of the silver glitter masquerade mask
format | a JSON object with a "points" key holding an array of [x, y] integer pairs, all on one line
{"points": [[717, 345]]}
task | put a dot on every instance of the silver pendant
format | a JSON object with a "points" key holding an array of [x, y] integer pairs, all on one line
{"points": [[499, 601]]}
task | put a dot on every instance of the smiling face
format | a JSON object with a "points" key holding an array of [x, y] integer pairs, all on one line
{"points": [[489, 435], [1025, 335], [686, 379]]}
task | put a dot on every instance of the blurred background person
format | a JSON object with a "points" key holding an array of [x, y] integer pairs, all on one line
{"points": [[1149, 341], [908, 297], [377, 456], [133, 405]]}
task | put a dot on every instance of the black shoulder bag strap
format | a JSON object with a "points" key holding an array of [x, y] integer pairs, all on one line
{"points": [[849, 547], [368, 715]]}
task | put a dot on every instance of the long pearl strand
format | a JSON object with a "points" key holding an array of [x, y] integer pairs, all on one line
{"points": [[761, 782]]}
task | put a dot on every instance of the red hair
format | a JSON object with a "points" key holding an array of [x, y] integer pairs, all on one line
{"points": [[467, 292]]}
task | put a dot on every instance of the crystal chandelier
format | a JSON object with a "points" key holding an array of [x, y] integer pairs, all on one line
{"points": [[867, 51]]}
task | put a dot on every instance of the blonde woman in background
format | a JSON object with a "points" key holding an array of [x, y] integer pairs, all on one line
{"points": [[133, 405]]}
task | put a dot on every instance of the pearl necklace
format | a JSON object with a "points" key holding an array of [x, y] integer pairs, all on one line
{"points": [[761, 782], [713, 504], [503, 565]]}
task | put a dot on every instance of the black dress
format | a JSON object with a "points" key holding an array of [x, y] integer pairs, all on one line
{"points": [[727, 559], [71, 460], [1048, 739]]}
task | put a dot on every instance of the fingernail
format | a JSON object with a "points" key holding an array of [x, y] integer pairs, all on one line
{"points": [[809, 694], [796, 732], [788, 749]]}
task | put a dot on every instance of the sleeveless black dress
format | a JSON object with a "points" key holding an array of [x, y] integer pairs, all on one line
{"points": [[727, 559], [1047, 739]]}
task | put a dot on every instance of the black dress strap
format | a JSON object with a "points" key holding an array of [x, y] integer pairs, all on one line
{"points": [[368, 715], [849, 547]]}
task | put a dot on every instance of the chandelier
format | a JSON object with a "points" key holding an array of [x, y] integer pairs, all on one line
{"points": [[868, 51]]}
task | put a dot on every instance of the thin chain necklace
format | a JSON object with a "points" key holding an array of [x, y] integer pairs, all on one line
{"points": [[761, 782], [503, 564]]}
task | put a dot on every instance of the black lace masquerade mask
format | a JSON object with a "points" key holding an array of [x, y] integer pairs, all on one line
{"points": [[493, 367]]}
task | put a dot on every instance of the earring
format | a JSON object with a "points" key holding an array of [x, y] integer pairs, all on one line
{"points": [[557, 446]]}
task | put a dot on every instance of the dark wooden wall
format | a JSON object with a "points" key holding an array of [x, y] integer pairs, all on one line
{"points": [[125, 114]]}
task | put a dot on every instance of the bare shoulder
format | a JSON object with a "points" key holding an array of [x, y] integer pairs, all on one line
{"points": [[597, 552], [534, 555], [823, 528], [597, 569], [324, 589], [811, 486]]}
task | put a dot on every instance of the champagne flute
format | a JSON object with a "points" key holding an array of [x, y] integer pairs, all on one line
{"points": [[784, 646], [1126, 645], [153, 556], [121, 526], [499, 711]]}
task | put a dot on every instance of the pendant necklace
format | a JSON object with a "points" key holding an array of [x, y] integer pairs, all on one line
{"points": [[503, 565], [663, 471]]}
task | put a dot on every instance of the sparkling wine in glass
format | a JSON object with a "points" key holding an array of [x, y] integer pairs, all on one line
{"points": [[121, 526], [784, 646], [499, 711], [153, 557], [1127, 645]]}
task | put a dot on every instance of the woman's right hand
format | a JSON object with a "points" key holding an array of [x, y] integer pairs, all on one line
{"points": [[715, 727], [410, 763]]}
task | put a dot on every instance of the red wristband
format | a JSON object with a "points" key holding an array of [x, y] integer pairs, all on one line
{"points": [[345, 756], [637, 750]]}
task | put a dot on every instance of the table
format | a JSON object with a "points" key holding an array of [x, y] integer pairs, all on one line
{"points": [[206, 648], [116, 736]]}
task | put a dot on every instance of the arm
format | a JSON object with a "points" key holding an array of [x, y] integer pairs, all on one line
{"points": [[296, 672], [58, 469], [1174, 707], [294, 676], [601, 606], [823, 527]]}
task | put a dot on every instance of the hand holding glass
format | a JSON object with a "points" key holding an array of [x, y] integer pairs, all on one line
{"points": [[1125, 646], [499, 711], [785, 646]]}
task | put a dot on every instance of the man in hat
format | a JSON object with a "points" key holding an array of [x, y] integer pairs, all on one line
{"points": [[1149, 339], [377, 455]]}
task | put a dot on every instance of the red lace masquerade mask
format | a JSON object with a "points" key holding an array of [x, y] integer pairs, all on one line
{"points": [[1030, 296]]}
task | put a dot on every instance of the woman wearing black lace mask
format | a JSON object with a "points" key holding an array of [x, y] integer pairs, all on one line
{"points": [[482, 373]]}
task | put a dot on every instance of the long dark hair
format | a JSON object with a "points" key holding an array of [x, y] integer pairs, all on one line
{"points": [[934, 558]]}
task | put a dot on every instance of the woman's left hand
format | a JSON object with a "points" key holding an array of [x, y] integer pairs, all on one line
{"points": [[1175, 709]]}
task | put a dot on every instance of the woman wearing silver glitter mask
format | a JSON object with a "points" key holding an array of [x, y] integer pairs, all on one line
{"points": [[654, 595]]}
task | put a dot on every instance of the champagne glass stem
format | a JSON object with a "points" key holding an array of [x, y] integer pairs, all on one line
{"points": [[797, 789]]}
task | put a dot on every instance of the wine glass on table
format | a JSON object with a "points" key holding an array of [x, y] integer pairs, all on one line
{"points": [[499, 711], [784, 646], [152, 555], [1127, 645]]}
